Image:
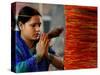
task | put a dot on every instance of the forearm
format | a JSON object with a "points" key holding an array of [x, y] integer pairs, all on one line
{"points": [[56, 61]]}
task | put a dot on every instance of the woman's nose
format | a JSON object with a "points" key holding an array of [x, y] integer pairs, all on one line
{"points": [[37, 28]]}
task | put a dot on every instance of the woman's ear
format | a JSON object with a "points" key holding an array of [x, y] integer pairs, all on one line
{"points": [[20, 25]]}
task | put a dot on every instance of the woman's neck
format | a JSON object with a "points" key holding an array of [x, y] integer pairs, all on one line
{"points": [[29, 43]]}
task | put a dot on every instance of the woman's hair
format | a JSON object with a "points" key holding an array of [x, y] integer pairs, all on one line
{"points": [[26, 13]]}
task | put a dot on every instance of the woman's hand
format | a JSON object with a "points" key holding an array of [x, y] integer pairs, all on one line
{"points": [[42, 46]]}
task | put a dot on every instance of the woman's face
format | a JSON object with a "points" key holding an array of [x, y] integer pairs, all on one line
{"points": [[31, 29]]}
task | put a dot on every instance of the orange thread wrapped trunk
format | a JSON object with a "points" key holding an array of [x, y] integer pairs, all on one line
{"points": [[80, 37]]}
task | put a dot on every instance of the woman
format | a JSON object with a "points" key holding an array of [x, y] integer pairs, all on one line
{"points": [[32, 49]]}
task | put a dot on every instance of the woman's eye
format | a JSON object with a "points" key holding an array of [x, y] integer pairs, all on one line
{"points": [[39, 25], [32, 25]]}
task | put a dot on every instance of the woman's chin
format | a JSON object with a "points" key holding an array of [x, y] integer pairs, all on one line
{"points": [[37, 38]]}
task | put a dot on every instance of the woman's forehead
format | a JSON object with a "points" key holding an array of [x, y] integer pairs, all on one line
{"points": [[35, 19]]}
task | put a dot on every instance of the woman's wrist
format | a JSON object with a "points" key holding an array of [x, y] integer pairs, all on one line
{"points": [[38, 58]]}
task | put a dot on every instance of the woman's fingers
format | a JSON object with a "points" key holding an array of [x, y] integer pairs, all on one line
{"points": [[44, 43], [46, 47], [43, 38]]}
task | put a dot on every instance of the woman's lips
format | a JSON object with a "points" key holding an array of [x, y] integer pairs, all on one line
{"points": [[37, 35]]}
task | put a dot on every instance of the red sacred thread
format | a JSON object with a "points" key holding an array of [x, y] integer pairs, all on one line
{"points": [[80, 37]]}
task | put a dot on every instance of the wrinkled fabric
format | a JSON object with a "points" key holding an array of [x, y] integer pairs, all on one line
{"points": [[26, 60]]}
